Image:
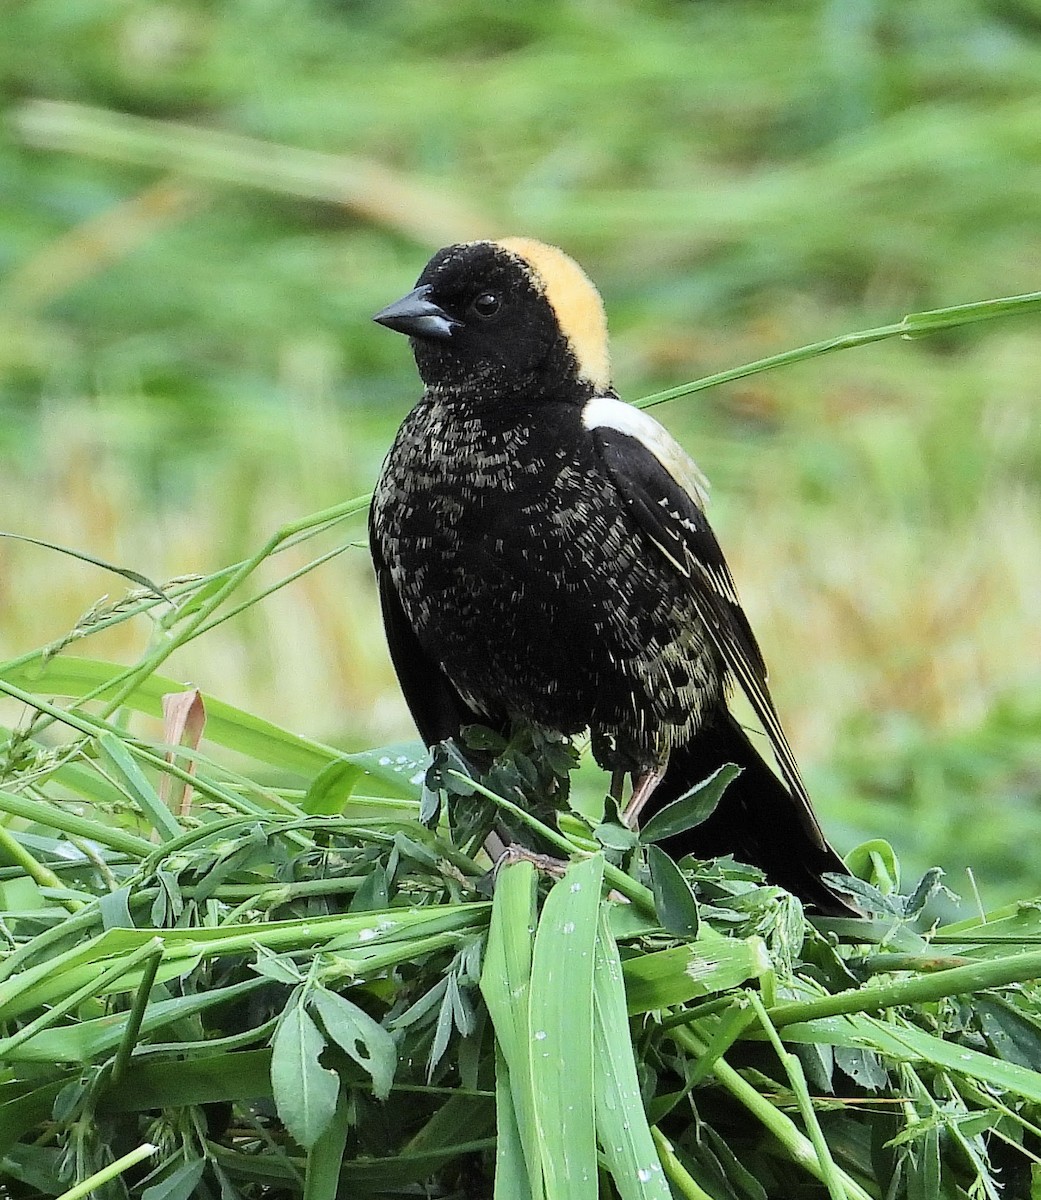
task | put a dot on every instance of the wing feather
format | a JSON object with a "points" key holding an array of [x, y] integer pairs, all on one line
{"points": [[652, 472]]}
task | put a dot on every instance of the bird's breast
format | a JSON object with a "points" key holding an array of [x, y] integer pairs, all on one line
{"points": [[523, 573]]}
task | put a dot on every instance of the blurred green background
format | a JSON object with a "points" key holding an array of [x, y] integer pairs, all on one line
{"points": [[201, 204]]}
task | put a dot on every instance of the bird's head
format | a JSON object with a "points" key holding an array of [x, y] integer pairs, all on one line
{"points": [[512, 316]]}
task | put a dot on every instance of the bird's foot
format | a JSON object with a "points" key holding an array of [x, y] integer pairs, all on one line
{"points": [[643, 788]]}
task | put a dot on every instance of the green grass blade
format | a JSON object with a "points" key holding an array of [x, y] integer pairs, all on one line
{"points": [[96, 1182], [86, 1040], [506, 986], [561, 1042], [325, 1157], [200, 1079], [621, 1123], [226, 725], [668, 977], [512, 1181], [127, 774], [67, 822]]}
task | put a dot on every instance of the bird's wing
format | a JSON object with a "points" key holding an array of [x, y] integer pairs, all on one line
{"points": [[664, 492], [436, 706]]}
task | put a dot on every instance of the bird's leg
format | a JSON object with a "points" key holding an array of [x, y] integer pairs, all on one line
{"points": [[643, 787], [617, 783], [503, 853]]}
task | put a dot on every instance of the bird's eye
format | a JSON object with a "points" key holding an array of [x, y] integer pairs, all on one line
{"points": [[486, 304]]}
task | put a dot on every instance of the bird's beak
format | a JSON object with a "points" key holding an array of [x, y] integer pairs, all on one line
{"points": [[417, 316]]}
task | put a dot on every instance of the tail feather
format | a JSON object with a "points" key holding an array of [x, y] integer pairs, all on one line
{"points": [[758, 820]]}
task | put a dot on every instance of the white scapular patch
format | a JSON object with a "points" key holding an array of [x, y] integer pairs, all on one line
{"points": [[575, 301], [606, 411]]}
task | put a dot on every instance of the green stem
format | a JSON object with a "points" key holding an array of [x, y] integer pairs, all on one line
{"points": [[37, 871], [66, 822], [93, 1182], [137, 1015], [95, 987], [799, 1147], [876, 964], [913, 325], [919, 989], [129, 680], [675, 1171], [91, 726], [797, 1078]]}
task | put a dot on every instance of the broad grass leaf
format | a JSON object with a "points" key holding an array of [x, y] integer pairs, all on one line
{"points": [[358, 1035], [674, 976], [399, 767], [374, 893], [179, 1184], [305, 1092], [692, 808], [621, 1122], [226, 725], [115, 909], [204, 1077], [674, 899], [331, 788], [128, 775], [512, 1181], [561, 1035], [506, 985], [1014, 1035], [325, 1158]]}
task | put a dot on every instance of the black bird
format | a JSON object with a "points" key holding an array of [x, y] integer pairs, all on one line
{"points": [[542, 551]]}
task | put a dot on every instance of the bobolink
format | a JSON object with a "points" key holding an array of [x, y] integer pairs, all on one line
{"points": [[542, 552]]}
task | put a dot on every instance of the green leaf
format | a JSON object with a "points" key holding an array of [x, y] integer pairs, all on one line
{"points": [[692, 808], [919, 323], [203, 1078], [506, 986], [621, 1123], [613, 836], [325, 1158], [179, 1184], [130, 576], [668, 977], [876, 863], [561, 1041], [512, 1181], [400, 766], [1015, 1036], [226, 725], [374, 893], [305, 1092], [362, 1038], [674, 899], [331, 788], [128, 775]]}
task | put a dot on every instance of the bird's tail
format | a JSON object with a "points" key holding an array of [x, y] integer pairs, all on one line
{"points": [[758, 819]]}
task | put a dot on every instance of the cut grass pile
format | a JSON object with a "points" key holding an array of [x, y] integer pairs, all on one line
{"points": [[215, 985]]}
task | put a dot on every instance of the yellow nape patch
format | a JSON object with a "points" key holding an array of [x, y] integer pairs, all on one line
{"points": [[575, 301]]}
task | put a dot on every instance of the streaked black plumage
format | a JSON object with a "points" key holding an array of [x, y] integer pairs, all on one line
{"points": [[541, 551]]}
